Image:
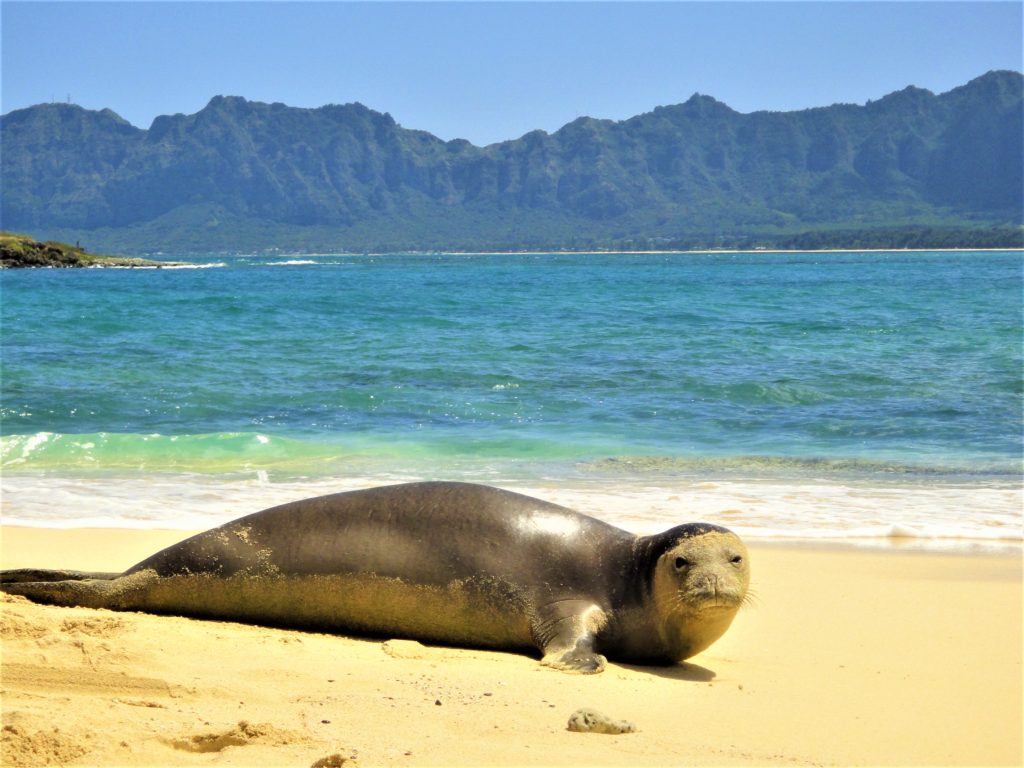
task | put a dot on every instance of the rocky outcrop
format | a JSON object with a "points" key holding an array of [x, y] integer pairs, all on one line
{"points": [[19, 251]]}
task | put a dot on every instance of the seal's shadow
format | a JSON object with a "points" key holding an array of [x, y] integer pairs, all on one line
{"points": [[693, 673]]}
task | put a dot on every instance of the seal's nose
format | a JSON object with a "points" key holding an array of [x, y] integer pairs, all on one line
{"points": [[709, 584]]}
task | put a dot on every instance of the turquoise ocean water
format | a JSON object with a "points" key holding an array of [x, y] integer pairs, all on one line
{"points": [[874, 394]]}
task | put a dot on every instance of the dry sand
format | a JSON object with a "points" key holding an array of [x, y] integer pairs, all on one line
{"points": [[848, 658]]}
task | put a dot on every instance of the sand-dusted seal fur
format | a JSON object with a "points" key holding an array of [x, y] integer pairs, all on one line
{"points": [[447, 562]]}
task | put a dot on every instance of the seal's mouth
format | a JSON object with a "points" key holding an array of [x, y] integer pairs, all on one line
{"points": [[711, 598]]}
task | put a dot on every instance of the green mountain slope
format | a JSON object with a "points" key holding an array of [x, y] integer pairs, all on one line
{"points": [[241, 174]]}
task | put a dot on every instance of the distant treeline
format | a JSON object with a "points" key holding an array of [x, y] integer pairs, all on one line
{"points": [[845, 239]]}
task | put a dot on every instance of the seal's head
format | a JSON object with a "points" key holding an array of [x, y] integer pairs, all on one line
{"points": [[699, 581]]}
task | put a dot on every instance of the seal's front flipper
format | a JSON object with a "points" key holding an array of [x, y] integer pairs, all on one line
{"points": [[38, 574], [581, 660], [565, 631]]}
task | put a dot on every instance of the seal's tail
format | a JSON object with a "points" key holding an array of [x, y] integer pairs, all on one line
{"points": [[19, 575]]}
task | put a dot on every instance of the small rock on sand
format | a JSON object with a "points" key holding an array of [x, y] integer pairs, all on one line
{"points": [[587, 720]]}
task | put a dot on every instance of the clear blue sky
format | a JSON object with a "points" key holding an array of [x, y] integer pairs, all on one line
{"points": [[493, 71]]}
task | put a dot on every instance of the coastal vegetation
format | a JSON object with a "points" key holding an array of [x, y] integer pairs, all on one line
{"points": [[825, 239], [912, 169], [22, 251]]}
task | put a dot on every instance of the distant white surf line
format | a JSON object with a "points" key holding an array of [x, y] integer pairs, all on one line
{"points": [[149, 266]]}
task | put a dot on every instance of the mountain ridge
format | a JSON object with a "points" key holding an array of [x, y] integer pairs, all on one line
{"points": [[349, 177]]}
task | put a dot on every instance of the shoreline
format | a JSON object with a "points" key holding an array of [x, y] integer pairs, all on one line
{"points": [[699, 251], [931, 675], [100, 537], [359, 254], [113, 548], [867, 515]]}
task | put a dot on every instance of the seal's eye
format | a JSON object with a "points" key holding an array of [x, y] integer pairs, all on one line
{"points": [[736, 559], [681, 562]]}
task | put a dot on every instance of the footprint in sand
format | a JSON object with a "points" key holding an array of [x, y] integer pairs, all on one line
{"points": [[242, 734], [94, 626]]}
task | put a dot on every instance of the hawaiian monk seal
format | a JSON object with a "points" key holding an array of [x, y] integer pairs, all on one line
{"points": [[454, 563]]}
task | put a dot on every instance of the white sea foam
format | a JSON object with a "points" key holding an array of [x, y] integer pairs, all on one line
{"points": [[27, 445], [291, 263], [931, 518]]}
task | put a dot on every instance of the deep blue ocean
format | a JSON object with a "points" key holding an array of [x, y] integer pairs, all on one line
{"points": [[848, 367]]}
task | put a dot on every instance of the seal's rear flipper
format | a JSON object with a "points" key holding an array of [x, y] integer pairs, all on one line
{"points": [[37, 574], [99, 590]]}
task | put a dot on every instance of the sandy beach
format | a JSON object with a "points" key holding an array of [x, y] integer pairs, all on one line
{"points": [[848, 657]]}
